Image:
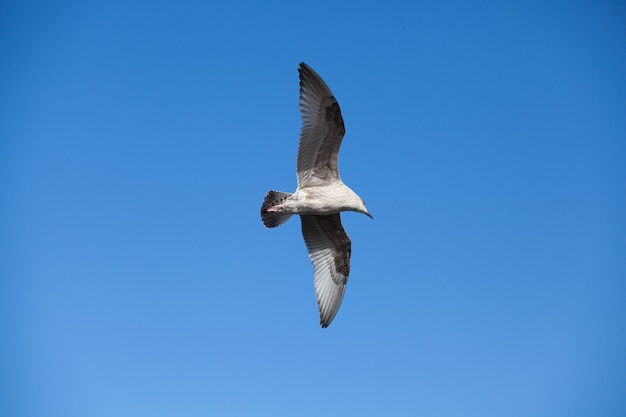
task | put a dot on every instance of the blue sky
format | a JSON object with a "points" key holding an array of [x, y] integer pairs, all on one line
{"points": [[137, 140]]}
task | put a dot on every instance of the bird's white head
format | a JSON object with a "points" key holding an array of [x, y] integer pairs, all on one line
{"points": [[357, 204], [363, 209]]}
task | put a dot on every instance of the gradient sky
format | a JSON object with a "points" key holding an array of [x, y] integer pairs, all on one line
{"points": [[137, 140]]}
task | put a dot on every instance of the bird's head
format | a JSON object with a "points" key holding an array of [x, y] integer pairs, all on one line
{"points": [[359, 206], [363, 209], [354, 202]]}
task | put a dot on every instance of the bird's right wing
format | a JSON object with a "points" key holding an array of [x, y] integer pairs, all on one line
{"points": [[322, 131], [329, 249]]}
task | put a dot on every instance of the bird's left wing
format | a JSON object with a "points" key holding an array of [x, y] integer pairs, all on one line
{"points": [[329, 249]]}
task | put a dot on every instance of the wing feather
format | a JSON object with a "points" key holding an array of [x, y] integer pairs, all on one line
{"points": [[322, 131], [329, 249]]}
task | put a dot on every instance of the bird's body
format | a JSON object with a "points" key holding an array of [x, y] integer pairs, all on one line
{"points": [[321, 200], [321, 195]]}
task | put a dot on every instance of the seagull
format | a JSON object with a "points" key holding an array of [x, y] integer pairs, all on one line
{"points": [[320, 195]]}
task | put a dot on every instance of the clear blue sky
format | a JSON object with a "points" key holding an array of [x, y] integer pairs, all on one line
{"points": [[137, 140]]}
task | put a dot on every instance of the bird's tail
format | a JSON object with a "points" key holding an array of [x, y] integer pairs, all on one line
{"points": [[272, 201]]}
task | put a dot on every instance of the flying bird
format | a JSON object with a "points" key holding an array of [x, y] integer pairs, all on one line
{"points": [[320, 195]]}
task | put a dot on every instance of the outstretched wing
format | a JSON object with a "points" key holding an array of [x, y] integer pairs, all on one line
{"points": [[329, 249], [322, 131]]}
